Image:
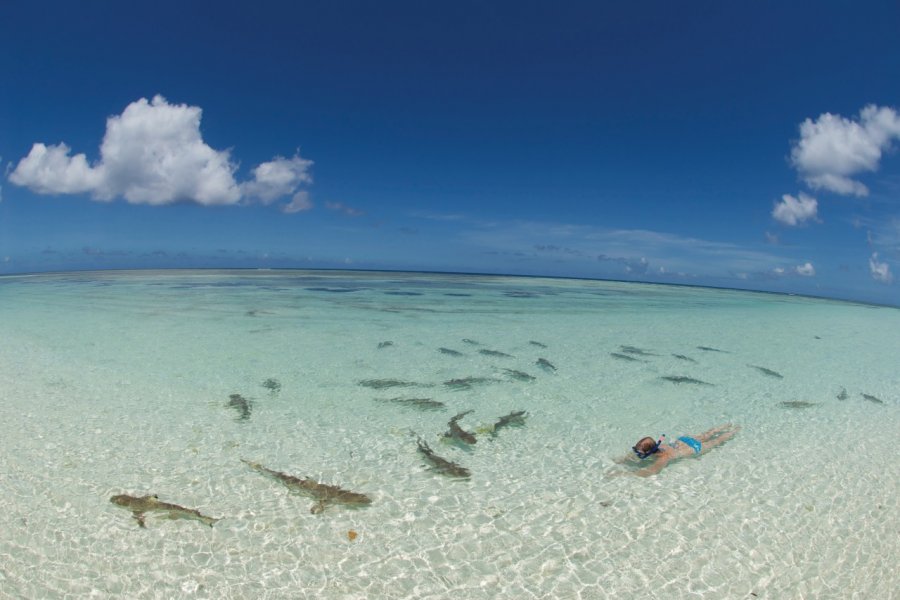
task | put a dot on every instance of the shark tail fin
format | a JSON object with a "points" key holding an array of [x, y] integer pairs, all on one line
{"points": [[211, 520]]}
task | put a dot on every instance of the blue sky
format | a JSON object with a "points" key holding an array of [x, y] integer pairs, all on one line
{"points": [[749, 145]]}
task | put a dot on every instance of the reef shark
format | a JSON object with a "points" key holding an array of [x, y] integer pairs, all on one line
{"points": [[637, 351], [240, 404], [497, 353], [273, 385], [322, 493], [684, 379], [441, 465], [383, 384], [466, 383], [683, 357], [458, 433], [419, 403], [797, 404], [140, 505], [515, 418], [768, 372], [519, 375], [546, 365], [625, 357]]}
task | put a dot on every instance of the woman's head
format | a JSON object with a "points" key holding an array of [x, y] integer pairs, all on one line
{"points": [[645, 447]]}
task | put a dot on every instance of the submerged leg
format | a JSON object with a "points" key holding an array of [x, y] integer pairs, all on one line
{"points": [[708, 435], [708, 444]]}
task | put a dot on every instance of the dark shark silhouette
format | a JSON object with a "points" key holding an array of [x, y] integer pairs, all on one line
{"points": [[140, 505], [458, 433], [441, 465], [324, 495]]}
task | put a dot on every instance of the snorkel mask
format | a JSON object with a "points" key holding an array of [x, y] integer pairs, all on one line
{"points": [[653, 450]]}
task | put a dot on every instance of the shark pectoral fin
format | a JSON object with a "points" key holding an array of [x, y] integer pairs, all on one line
{"points": [[139, 517], [318, 507]]}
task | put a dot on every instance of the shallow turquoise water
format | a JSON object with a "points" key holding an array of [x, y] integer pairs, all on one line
{"points": [[118, 383]]}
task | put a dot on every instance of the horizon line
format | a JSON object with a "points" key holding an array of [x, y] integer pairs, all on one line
{"points": [[466, 273]]}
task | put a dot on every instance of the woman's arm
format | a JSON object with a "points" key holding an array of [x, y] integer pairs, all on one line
{"points": [[626, 459], [655, 468]]}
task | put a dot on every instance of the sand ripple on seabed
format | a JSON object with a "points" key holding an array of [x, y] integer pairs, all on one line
{"points": [[438, 555], [550, 536]]}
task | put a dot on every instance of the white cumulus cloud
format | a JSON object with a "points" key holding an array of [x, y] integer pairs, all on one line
{"points": [[299, 203], [805, 270], [881, 271], [795, 210], [832, 149], [277, 178], [343, 208], [154, 153], [50, 170]]}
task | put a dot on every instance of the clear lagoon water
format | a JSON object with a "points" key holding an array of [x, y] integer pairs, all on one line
{"points": [[120, 383]]}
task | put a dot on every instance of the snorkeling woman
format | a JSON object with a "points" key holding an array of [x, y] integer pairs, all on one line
{"points": [[662, 452]]}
